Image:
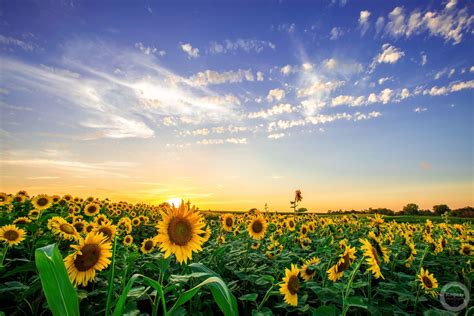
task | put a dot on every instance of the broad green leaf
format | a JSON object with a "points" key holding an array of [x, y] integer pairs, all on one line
{"points": [[249, 297], [326, 310], [60, 294]]}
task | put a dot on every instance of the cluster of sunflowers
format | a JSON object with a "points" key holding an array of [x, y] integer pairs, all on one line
{"points": [[90, 227]]}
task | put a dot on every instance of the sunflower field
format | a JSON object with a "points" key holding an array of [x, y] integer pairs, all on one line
{"points": [[72, 256]]}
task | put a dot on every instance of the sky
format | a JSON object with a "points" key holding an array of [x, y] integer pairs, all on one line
{"points": [[236, 104]]}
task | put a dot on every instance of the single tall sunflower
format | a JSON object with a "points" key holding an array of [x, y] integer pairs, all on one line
{"points": [[92, 254], [257, 227], [179, 232], [12, 235], [291, 285]]}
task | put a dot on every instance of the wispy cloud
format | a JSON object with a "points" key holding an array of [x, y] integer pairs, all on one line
{"points": [[240, 44], [191, 51]]}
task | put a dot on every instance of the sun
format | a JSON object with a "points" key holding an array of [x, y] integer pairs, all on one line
{"points": [[174, 201]]}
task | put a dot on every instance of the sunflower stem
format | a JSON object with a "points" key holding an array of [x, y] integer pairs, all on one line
{"points": [[111, 280], [4, 254], [345, 308], [265, 298]]}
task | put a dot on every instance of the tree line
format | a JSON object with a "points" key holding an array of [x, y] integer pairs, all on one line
{"points": [[413, 209]]}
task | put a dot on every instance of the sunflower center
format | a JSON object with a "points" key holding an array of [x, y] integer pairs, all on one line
{"points": [[257, 226], [106, 231], [91, 209], [180, 231], [11, 234], [344, 265], [67, 228], [79, 226], [292, 224], [89, 257], [3, 198], [310, 271], [228, 222], [427, 282], [148, 245], [303, 230], [42, 201], [376, 257], [466, 250], [293, 285]]}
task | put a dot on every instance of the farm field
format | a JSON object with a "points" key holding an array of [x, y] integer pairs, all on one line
{"points": [[137, 259]]}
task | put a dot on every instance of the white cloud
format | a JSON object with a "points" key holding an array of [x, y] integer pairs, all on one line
{"points": [[471, 69], [364, 21], [405, 93], [286, 70], [449, 23], [149, 50], [424, 59], [389, 55], [274, 110], [419, 110], [361, 116], [10, 41], [211, 77], [220, 141], [190, 50], [306, 66], [275, 94], [260, 76], [246, 45], [384, 79], [336, 32], [276, 135], [319, 87], [348, 100], [379, 25], [453, 87]]}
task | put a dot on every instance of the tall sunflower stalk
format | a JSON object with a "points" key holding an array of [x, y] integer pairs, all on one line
{"points": [[298, 198]]}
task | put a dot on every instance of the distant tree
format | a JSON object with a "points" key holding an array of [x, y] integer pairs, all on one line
{"points": [[441, 209], [467, 212], [410, 209], [301, 210]]}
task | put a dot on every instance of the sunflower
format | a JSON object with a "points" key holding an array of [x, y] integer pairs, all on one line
{"points": [[337, 271], [19, 198], [59, 226], [466, 250], [179, 232], [304, 230], [255, 245], [42, 202], [128, 240], [136, 221], [428, 282], [147, 245], [80, 225], [290, 224], [92, 254], [257, 227], [308, 270], [101, 219], [371, 257], [92, 209], [12, 235], [207, 234], [227, 222], [90, 227], [22, 220], [67, 197], [411, 258], [108, 230], [305, 243], [34, 214], [4, 199], [291, 285]]}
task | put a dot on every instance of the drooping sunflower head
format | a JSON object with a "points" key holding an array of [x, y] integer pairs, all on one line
{"points": [[337, 271], [372, 258], [92, 209], [227, 222], [428, 281], [290, 286], [308, 270], [60, 227], [207, 234], [90, 255], [42, 202], [466, 249], [147, 245], [12, 235], [257, 227], [22, 220], [179, 232], [305, 242]]}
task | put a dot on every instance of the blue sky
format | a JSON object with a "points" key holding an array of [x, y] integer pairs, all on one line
{"points": [[358, 104]]}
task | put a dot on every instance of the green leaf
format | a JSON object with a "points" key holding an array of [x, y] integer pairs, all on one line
{"points": [[325, 310], [249, 297], [356, 301], [119, 306], [60, 294]]}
